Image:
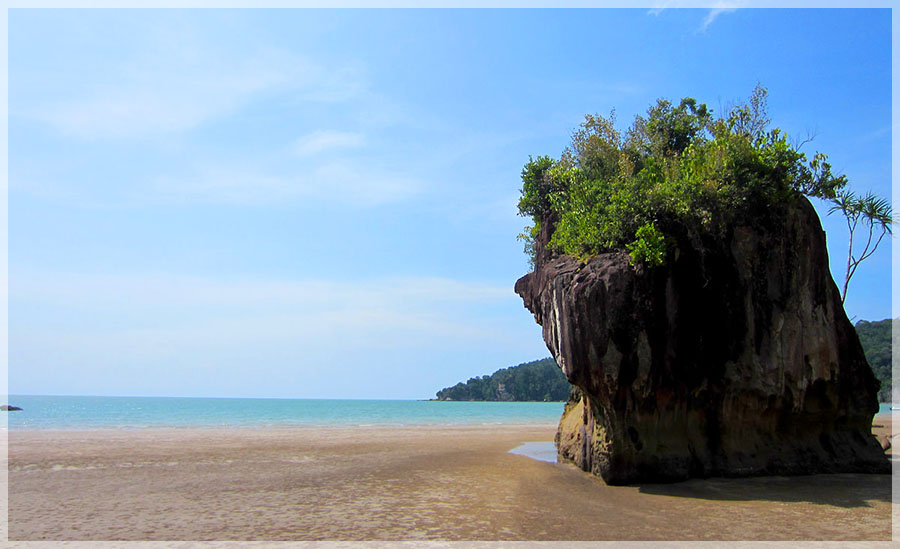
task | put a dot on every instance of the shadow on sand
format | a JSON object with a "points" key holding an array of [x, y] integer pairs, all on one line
{"points": [[839, 490]]}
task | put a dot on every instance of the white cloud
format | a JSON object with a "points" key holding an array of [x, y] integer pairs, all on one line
{"points": [[188, 291], [326, 140], [338, 181], [171, 86], [714, 13], [155, 103], [167, 312]]}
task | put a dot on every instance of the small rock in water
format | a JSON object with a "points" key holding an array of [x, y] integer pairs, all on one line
{"points": [[8, 408]]}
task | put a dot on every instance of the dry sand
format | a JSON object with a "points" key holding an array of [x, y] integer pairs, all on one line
{"points": [[395, 484]]}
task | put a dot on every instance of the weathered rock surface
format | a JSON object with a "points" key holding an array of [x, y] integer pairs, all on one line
{"points": [[734, 358]]}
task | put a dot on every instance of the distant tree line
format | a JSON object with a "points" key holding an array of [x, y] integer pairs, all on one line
{"points": [[876, 340], [540, 380]]}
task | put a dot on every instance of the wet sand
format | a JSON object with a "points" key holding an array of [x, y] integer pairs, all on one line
{"points": [[882, 428], [412, 483]]}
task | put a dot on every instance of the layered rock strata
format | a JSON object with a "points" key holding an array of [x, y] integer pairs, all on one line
{"points": [[734, 358]]}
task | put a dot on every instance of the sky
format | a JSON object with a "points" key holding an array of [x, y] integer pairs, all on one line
{"points": [[322, 204]]}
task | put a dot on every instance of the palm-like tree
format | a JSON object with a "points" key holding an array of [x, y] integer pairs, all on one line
{"points": [[875, 214]]}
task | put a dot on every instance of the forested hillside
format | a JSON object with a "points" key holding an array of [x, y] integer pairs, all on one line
{"points": [[542, 380], [539, 380], [876, 342]]}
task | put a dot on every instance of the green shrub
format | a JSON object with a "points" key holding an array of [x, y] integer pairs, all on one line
{"points": [[676, 167], [649, 248]]}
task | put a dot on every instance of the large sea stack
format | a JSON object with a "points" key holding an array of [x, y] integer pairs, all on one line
{"points": [[734, 358]]}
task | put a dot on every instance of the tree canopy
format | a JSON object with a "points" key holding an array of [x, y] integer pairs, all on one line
{"points": [[676, 168], [877, 339], [539, 380]]}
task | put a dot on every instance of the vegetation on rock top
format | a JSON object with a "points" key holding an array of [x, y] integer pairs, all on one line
{"points": [[677, 170]]}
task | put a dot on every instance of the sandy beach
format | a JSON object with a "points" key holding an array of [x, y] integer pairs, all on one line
{"points": [[366, 483]]}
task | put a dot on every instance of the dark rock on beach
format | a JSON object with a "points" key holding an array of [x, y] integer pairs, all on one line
{"points": [[735, 358]]}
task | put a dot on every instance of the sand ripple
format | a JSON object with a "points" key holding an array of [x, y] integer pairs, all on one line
{"points": [[414, 483]]}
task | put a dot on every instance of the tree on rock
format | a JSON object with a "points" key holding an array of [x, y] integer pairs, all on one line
{"points": [[873, 216]]}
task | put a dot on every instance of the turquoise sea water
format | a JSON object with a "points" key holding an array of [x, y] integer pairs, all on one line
{"points": [[886, 409], [85, 412]]}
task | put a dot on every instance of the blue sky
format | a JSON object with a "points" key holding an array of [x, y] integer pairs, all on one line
{"points": [[323, 203]]}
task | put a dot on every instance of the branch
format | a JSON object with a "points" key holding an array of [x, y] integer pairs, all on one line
{"points": [[809, 138], [884, 231]]}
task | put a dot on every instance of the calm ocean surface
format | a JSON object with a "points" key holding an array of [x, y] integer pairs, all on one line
{"points": [[83, 412]]}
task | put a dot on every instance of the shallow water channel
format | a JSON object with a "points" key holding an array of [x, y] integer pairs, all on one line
{"points": [[541, 451]]}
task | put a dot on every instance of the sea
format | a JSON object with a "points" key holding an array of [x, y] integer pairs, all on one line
{"points": [[104, 412]]}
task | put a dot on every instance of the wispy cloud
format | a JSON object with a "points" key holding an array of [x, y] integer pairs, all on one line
{"points": [[156, 102], [335, 181], [182, 291], [198, 335], [714, 14], [326, 140], [200, 312], [884, 131], [172, 87]]}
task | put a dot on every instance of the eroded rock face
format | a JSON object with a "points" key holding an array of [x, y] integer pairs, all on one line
{"points": [[735, 358]]}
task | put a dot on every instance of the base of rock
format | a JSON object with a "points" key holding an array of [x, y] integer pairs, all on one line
{"points": [[583, 441], [734, 358]]}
